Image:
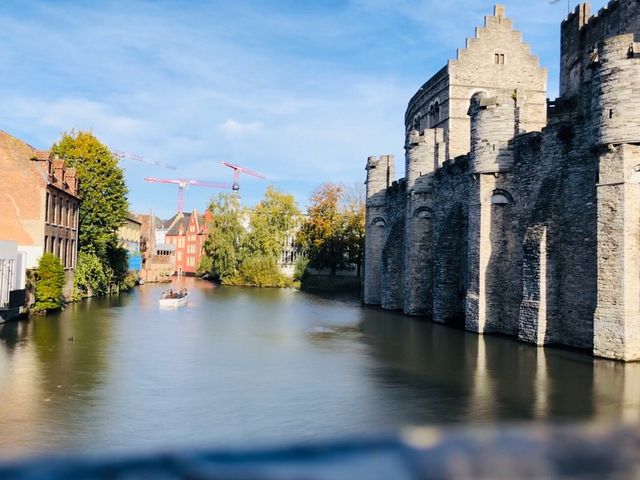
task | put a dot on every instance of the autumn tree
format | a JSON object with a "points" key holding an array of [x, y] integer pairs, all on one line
{"points": [[354, 224], [321, 236], [333, 233]]}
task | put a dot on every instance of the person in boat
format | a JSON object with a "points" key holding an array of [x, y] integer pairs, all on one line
{"points": [[167, 293]]}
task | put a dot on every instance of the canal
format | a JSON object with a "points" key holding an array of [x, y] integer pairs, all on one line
{"points": [[249, 366]]}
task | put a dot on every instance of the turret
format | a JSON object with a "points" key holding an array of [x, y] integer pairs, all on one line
{"points": [[424, 154], [616, 67], [570, 51], [380, 174], [492, 127]]}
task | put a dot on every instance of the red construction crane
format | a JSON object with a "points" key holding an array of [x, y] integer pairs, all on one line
{"points": [[120, 155], [183, 183], [236, 174]]}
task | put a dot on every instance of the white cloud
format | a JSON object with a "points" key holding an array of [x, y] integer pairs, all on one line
{"points": [[234, 128]]}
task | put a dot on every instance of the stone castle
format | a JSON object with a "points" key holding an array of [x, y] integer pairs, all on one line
{"points": [[519, 215]]}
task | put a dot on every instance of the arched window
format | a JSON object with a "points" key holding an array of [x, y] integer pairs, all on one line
{"points": [[422, 212], [379, 222], [501, 197], [436, 114]]}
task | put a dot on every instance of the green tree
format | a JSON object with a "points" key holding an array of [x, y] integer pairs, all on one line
{"points": [[272, 220], [225, 244], [91, 276], [102, 264], [49, 283]]}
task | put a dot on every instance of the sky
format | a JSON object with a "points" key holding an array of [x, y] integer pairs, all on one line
{"points": [[302, 91]]}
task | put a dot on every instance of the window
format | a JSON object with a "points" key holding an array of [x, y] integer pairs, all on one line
{"points": [[499, 58], [422, 212], [46, 209], [379, 222], [501, 197]]}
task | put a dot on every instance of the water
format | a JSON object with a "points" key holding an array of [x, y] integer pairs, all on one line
{"points": [[249, 366]]}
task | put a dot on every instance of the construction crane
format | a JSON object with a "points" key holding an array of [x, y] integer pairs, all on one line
{"points": [[236, 174], [183, 183], [121, 156]]}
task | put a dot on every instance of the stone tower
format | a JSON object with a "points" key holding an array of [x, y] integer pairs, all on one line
{"points": [[380, 173], [424, 155], [492, 127], [616, 133]]}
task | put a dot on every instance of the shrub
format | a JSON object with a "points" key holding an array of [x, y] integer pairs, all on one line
{"points": [[260, 271], [90, 277], [49, 283]]}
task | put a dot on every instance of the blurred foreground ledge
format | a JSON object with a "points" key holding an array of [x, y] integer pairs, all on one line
{"points": [[566, 452]]}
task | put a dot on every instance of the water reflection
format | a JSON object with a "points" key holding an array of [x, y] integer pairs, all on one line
{"points": [[245, 366]]}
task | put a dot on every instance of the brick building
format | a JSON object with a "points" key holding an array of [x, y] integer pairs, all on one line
{"points": [[187, 234], [158, 258], [38, 203]]}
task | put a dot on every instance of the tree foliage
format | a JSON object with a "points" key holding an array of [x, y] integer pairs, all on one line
{"points": [[247, 254], [271, 221], [102, 189], [225, 243], [333, 233], [102, 265], [49, 283]]}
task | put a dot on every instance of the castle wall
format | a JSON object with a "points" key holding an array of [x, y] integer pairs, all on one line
{"points": [[535, 234], [580, 34], [380, 174], [392, 275]]}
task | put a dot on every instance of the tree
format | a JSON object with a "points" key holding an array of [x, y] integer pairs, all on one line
{"points": [[321, 235], [333, 233], [225, 243], [272, 220], [102, 189], [102, 264], [354, 224], [49, 283]]}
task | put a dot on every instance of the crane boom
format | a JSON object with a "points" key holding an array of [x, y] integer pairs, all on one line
{"points": [[236, 174], [185, 183], [130, 156]]}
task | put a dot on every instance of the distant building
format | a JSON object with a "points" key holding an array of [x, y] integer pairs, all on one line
{"points": [[158, 259], [129, 239], [187, 234], [291, 252], [38, 204]]}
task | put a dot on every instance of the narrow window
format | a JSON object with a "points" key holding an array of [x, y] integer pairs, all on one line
{"points": [[499, 58], [611, 113]]}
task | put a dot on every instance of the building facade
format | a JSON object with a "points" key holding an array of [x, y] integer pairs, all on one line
{"points": [[158, 258], [129, 239], [519, 215], [187, 234], [38, 204]]}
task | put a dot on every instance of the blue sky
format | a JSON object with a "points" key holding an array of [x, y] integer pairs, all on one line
{"points": [[301, 91]]}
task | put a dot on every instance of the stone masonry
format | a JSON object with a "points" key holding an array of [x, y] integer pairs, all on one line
{"points": [[519, 215]]}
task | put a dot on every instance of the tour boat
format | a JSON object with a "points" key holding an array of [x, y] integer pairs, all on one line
{"points": [[177, 299]]}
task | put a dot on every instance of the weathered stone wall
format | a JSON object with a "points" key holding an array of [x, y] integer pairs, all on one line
{"points": [[532, 234], [581, 33], [380, 173], [392, 276]]}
